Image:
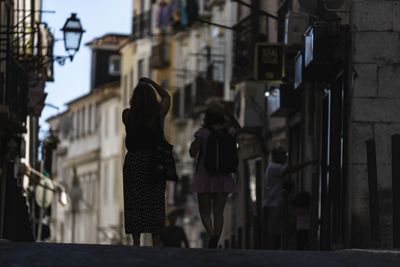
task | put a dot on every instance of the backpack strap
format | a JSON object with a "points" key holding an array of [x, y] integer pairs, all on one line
{"points": [[199, 158], [201, 152]]}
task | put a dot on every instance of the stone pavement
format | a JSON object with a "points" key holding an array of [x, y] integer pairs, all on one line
{"points": [[57, 255]]}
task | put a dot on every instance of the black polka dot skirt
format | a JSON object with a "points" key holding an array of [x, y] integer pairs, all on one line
{"points": [[144, 201]]}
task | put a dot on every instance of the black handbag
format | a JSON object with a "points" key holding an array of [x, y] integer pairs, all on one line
{"points": [[162, 163]]}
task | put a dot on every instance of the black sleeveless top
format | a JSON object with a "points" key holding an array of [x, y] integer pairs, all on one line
{"points": [[143, 136]]}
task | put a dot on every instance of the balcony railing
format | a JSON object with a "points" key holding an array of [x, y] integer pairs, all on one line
{"points": [[159, 56], [243, 47], [16, 95], [205, 90], [141, 25], [192, 104]]}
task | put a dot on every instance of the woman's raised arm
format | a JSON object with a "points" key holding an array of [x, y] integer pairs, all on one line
{"points": [[165, 98]]}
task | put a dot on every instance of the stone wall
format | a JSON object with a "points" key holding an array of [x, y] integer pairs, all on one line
{"points": [[375, 106]]}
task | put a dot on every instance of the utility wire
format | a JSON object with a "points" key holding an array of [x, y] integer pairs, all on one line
{"points": [[256, 9], [215, 24]]}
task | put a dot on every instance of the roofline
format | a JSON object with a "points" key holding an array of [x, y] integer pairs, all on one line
{"points": [[56, 116], [94, 91], [126, 42], [90, 43]]}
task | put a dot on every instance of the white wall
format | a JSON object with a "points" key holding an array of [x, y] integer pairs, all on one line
{"points": [[110, 168]]}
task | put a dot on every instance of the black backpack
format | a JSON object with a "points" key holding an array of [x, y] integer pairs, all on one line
{"points": [[221, 155]]}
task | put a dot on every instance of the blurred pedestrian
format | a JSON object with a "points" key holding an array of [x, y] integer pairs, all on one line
{"points": [[173, 235], [301, 204], [144, 200], [276, 180], [215, 148]]}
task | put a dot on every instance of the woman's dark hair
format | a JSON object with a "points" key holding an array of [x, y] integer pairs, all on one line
{"points": [[144, 105], [279, 155], [212, 118]]}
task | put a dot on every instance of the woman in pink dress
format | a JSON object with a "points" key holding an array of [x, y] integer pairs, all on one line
{"points": [[212, 189]]}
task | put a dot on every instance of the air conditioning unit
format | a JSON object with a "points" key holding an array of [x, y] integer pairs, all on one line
{"points": [[249, 104], [296, 25]]}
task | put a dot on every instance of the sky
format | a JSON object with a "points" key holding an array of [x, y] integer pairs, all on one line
{"points": [[98, 17]]}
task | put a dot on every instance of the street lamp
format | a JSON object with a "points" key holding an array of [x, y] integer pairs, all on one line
{"points": [[73, 32]]}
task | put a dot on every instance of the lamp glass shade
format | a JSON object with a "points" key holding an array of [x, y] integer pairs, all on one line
{"points": [[72, 33]]}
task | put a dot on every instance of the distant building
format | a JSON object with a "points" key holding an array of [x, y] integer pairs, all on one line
{"points": [[89, 134]]}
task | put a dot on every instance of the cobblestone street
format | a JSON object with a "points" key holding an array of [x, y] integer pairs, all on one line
{"points": [[54, 255]]}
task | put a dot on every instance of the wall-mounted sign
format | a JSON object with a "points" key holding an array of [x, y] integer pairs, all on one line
{"points": [[269, 63], [298, 70]]}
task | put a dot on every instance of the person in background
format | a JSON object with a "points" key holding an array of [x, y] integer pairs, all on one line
{"points": [[275, 181], [173, 235], [301, 204], [212, 189], [144, 200]]}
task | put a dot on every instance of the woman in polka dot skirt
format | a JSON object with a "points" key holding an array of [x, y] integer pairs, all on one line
{"points": [[144, 200]]}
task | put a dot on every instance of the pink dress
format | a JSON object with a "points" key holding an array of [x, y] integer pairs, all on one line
{"points": [[203, 181]]}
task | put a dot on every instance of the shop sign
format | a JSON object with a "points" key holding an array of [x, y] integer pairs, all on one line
{"points": [[269, 63]]}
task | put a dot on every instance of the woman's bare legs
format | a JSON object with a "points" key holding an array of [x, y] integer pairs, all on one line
{"points": [[156, 239], [205, 201], [218, 212], [136, 239]]}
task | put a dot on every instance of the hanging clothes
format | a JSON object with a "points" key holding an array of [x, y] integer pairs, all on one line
{"points": [[183, 13], [163, 16], [175, 15], [175, 11]]}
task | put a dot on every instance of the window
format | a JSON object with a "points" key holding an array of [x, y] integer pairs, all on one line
{"points": [[105, 181], [130, 89], [114, 65], [116, 179], [73, 119], [94, 118], [89, 189], [140, 68], [77, 123], [93, 184], [89, 130], [83, 111], [117, 118], [126, 101], [105, 124]]}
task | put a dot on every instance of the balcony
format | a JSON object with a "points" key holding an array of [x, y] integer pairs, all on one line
{"points": [[141, 25], [206, 90], [243, 47], [14, 96], [160, 56]]}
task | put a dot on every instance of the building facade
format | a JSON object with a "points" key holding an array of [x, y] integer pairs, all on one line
{"points": [[25, 66], [313, 77], [316, 101], [87, 160]]}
